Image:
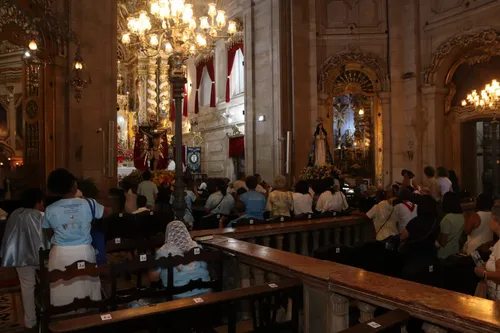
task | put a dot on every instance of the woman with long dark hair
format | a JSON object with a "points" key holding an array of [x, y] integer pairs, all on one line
{"points": [[451, 225], [320, 153]]}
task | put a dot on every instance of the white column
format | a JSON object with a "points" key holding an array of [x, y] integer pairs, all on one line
{"points": [[367, 311], [340, 315]]}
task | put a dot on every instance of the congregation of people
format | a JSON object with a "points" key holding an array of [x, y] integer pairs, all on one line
{"points": [[422, 223]]}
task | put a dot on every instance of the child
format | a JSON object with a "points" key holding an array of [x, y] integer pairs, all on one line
{"points": [[148, 189]]}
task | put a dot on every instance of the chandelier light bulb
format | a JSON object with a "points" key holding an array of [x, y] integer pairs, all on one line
{"points": [[32, 46], [153, 40], [201, 41], [204, 23], [213, 33], [231, 27], [168, 48], [164, 12], [192, 24], [188, 13], [126, 38], [176, 7], [78, 65], [155, 8], [221, 18], [212, 10]]}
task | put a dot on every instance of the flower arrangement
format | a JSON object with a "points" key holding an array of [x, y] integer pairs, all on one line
{"points": [[123, 153], [317, 172], [159, 177]]}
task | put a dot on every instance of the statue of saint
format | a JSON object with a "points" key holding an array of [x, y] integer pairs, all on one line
{"points": [[320, 153]]}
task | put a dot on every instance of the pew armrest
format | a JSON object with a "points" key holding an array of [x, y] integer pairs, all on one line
{"points": [[113, 317]]}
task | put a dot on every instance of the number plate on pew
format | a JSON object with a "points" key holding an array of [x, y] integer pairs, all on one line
{"points": [[197, 251], [106, 316], [81, 265], [118, 240], [282, 219], [198, 300], [337, 250], [309, 216], [273, 285], [251, 222], [143, 257], [374, 324]]}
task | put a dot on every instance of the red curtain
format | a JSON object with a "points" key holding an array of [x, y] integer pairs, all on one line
{"points": [[237, 147], [231, 53], [199, 73], [185, 102], [211, 74]]}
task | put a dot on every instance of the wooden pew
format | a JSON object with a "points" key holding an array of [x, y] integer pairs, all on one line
{"points": [[390, 321], [224, 298]]}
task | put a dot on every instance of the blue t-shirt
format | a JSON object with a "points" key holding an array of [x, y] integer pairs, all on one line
{"points": [[255, 203], [235, 221], [71, 221]]}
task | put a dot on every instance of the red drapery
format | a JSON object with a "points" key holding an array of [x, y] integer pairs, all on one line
{"points": [[231, 53], [237, 147], [199, 74], [211, 74]]}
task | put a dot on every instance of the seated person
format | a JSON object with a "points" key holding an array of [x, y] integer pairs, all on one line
{"points": [[255, 202], [190, 195], [382, 214], [451, 225], [331, 200], [219, 202], [477, 228], [239, 210], [177, 243], [280, 200], [142, 202], [302, 199]]}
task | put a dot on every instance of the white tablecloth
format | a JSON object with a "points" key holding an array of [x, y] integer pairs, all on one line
{"points": [[125, 171]]}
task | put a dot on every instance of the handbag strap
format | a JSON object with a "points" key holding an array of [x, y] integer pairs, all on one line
{"points": [[92, 208], [383, 225]]}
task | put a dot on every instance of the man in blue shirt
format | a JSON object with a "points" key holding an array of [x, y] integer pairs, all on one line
{"points": [[255, 202]]}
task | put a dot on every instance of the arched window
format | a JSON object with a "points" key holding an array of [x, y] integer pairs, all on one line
{"points": [[205, 88], [238, 74]]}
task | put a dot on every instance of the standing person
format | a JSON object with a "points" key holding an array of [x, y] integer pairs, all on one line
{"points": [[219, 202], [255, 202], [477, 227], [148, 189], [451, 225], [70, 221], [430, 185], [130, 198], [280, 201], [405, 209], [443, 182], [190, 196], [383, 216], [22, 240]]}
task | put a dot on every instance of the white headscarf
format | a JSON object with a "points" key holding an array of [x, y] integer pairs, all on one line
{"points": [[177, 239]]}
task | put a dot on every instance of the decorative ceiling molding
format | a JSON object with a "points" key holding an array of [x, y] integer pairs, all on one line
{"points": [[472, 48], [367, 63]]}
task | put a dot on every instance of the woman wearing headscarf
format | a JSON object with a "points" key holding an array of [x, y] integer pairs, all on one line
{"points": [[279, 201], [177, 243]]}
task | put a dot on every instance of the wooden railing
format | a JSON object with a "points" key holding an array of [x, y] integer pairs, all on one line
{"points": [[301, 236], [329, 289]]}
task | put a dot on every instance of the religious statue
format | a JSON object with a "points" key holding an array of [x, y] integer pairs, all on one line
{"points": [[150, 148], [320, 153]]}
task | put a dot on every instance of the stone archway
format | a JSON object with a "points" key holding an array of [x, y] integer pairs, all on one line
{"points": [[358, 73], [443, 137]]}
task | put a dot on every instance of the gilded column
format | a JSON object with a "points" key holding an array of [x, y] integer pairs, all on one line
{"points": [[142, 79], [165, 98], [151, 89]]}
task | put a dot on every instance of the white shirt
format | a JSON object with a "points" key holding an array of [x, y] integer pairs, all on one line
{"points": [[171, 165], [493, 290], [444, 185], [405, 212], [302, 203], [328, 202], [260, 189]]}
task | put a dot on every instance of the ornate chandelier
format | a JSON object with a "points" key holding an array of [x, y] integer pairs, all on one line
{"points": [[488, 100], [170, 29]]}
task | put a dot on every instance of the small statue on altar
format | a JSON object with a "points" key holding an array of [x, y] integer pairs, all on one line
{"points": [[320, 152]]}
